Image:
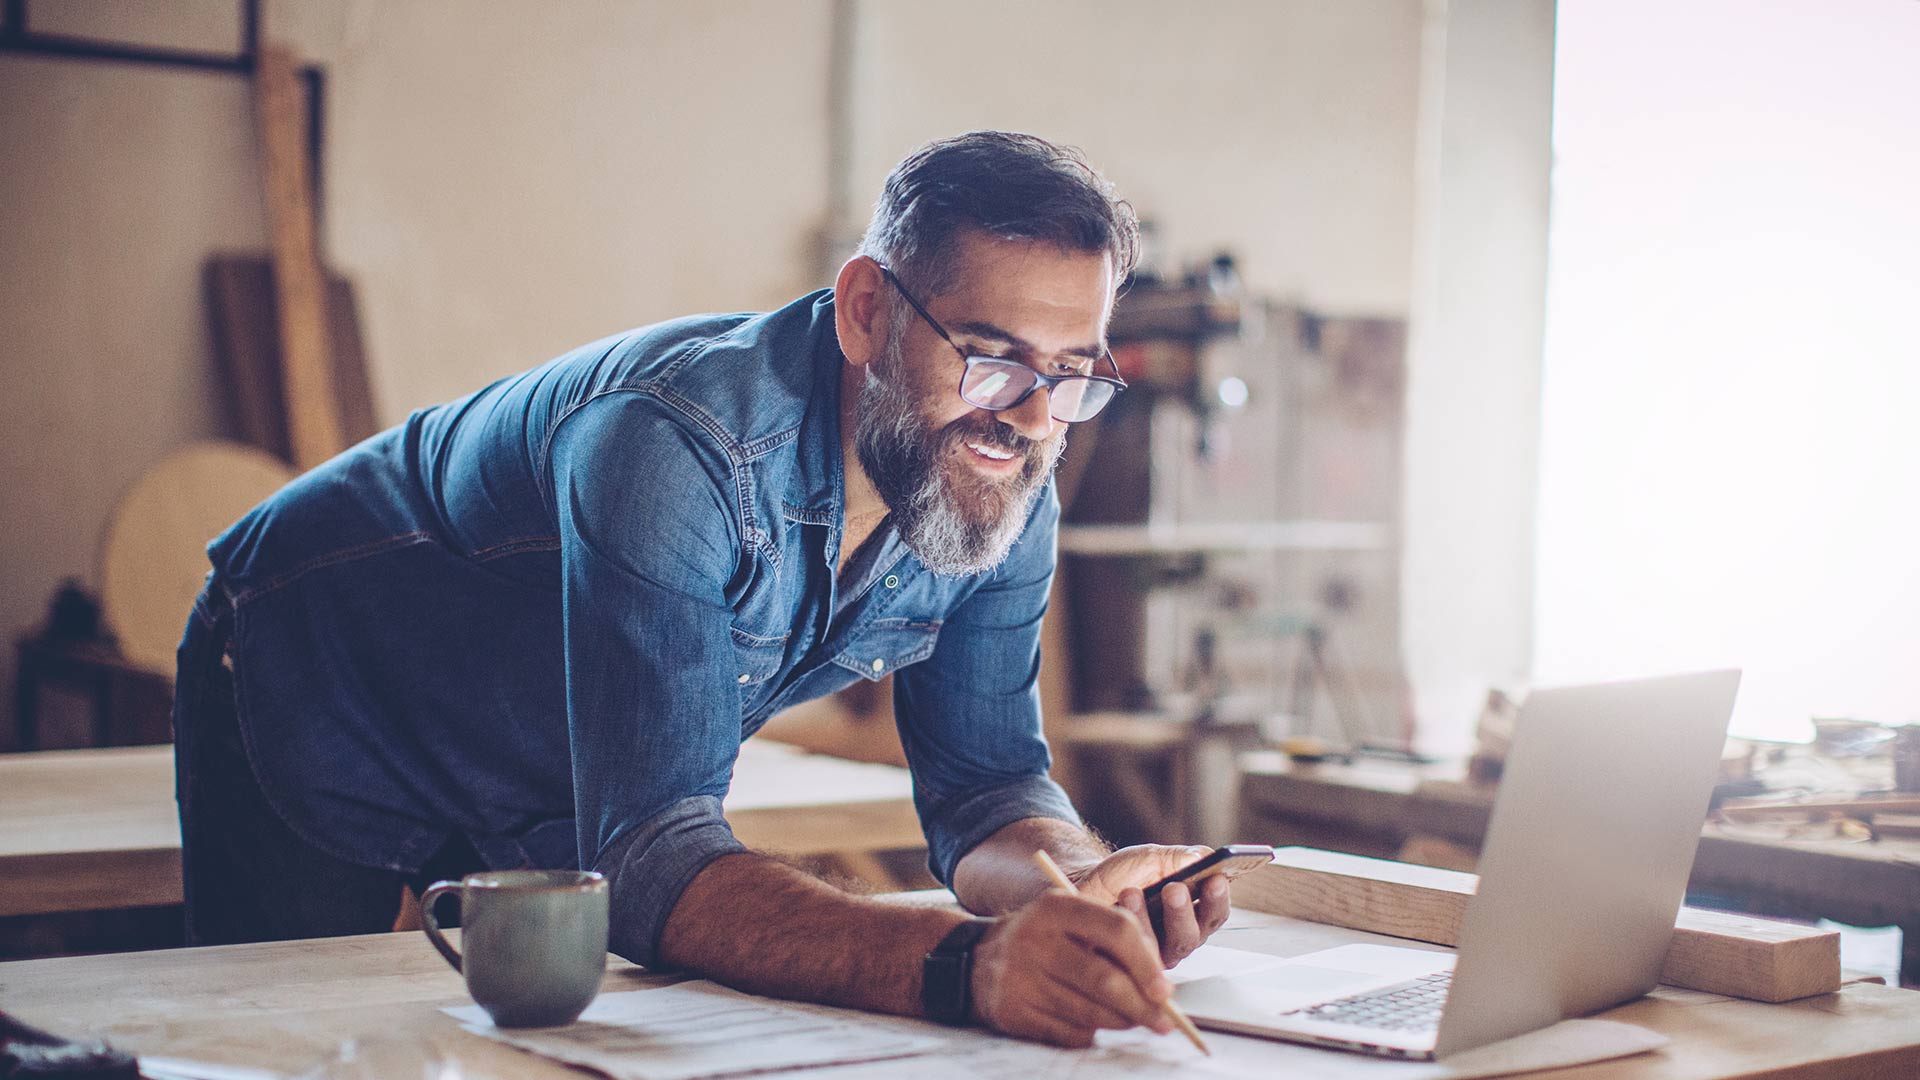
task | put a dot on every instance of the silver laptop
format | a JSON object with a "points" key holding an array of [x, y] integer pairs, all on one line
{"points": [[1582, 874]]}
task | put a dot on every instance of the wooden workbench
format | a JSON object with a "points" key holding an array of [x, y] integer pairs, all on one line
{"points": [[91, 830], [1373, 808], [286, 1005]]}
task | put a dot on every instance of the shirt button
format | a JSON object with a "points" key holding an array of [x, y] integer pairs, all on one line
{"points": [[893, 581], [879, 664], [745, 678]]}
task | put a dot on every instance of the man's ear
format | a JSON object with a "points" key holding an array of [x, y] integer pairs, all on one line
{"points": [[858, 314]]}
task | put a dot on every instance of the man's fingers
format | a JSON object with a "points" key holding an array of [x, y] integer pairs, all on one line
{"points": [[1097, 979], [1041, 1019], [1134, 903], [1059, 1032], [1091, 973], [1128, 943], [1180, 931], [1064, 967], [1216, 903], [1075, 1004]]}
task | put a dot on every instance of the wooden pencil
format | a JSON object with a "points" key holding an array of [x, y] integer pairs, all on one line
{"points": [[1052, 869]]}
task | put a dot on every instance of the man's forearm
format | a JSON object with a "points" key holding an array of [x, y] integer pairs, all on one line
{"points": [[760, 925], [999, 874]]}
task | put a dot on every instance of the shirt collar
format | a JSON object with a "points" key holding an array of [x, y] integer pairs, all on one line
{"points": [[819, 488]]}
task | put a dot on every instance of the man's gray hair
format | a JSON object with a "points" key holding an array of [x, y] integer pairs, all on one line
{"points": [[1002, 183]]}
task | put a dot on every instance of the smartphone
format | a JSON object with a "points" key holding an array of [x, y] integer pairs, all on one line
{"points": [[1231, 860]]}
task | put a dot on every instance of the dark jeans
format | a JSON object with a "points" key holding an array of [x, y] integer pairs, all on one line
{"points": [[247, 876]]}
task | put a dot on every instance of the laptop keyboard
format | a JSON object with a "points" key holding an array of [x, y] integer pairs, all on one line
{"points": [[1413, 1006]]}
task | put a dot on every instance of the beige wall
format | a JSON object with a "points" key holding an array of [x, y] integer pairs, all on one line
{"points": [[506, 180], [1281, 131]]}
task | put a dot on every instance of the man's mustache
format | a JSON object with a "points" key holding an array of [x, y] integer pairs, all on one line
{"points": [[992, 434]]}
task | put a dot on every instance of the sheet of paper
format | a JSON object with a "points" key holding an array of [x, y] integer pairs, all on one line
{"points": [[1209, 960], [1140, 1053], [701, 1029], [166, 1068], [977, 1055]]}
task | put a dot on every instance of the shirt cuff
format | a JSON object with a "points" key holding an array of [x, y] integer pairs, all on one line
{"points": [[652, 863], [960, 823]]}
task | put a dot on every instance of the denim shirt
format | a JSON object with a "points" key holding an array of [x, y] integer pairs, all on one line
{"points": [[546, 615]]}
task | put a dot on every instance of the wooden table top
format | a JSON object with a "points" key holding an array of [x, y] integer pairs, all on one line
{"points": [[287, 1005], [84, 830]]}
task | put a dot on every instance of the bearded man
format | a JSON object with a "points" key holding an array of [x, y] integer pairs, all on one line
{"points": [[531, 627]]}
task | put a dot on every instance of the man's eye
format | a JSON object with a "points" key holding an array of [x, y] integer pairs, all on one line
{"points": [[1061, 368]]}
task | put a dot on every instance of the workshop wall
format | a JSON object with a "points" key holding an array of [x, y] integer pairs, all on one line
{"points": [[1282, 132], [506, 181], [115, 182], [503, 181]]}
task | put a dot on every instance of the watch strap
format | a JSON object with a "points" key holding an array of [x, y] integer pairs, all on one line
{"points": [[946, 988]]}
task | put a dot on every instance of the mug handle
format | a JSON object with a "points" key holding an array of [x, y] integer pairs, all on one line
{"points": [[428, 901]]}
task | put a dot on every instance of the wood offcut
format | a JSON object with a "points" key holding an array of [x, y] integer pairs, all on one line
{"points": [[1712, 951], [313, 412]]}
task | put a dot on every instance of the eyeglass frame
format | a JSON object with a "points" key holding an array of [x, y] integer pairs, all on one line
{"points": [[1041, 379]]}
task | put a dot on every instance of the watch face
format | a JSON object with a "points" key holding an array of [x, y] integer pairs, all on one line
{"points": [[945, 995]]}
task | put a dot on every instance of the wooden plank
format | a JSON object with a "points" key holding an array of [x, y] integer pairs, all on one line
{"points": [[1906, 826], [1400, 899], [90, 881], [244, 319], [829, 828], [88, 830], [1712, 951], [794, 803], [1852, 806], [313, 412], [1762, 959]]}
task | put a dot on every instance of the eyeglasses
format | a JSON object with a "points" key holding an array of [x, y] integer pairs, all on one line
{"points": [[995, 384]]}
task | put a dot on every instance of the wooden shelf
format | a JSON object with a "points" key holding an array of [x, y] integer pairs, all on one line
{"points": [[1224, 538]]}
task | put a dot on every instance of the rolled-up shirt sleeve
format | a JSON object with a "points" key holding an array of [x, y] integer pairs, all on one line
{"points": [[969, 715], [652, 712]]}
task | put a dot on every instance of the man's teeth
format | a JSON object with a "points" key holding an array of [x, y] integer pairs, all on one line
{"points": [[995, 453]]}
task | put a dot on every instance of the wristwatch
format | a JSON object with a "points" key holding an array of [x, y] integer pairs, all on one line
{"points": [[946, 989]]}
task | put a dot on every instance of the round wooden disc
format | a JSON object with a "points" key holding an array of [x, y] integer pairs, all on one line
{"points": [[153, 555]]}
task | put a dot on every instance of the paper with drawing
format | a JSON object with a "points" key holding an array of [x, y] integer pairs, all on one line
{"points": [[700, 1029]]}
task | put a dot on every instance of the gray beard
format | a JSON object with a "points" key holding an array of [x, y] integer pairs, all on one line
{"points": [[953, 533]]}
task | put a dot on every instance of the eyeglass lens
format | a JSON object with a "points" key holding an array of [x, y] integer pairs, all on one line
{"points": [[998, 384]]}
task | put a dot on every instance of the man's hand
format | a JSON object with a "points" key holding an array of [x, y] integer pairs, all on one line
{"points": [[1186, 920], [1062, 967]]}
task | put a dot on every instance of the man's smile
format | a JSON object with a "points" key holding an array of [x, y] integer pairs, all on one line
{"points": [[993, 459]]}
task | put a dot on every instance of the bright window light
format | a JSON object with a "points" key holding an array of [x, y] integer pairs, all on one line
{"points": [[1730, 460]]}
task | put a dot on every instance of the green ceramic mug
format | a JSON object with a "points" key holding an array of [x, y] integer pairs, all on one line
{"points": [[533, 942]]}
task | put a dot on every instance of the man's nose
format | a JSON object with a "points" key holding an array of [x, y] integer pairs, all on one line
{"points": [[1033, 417]]}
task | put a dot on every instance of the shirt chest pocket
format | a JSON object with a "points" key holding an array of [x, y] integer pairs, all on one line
{"points": [[757, 658], [890, 644]]}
